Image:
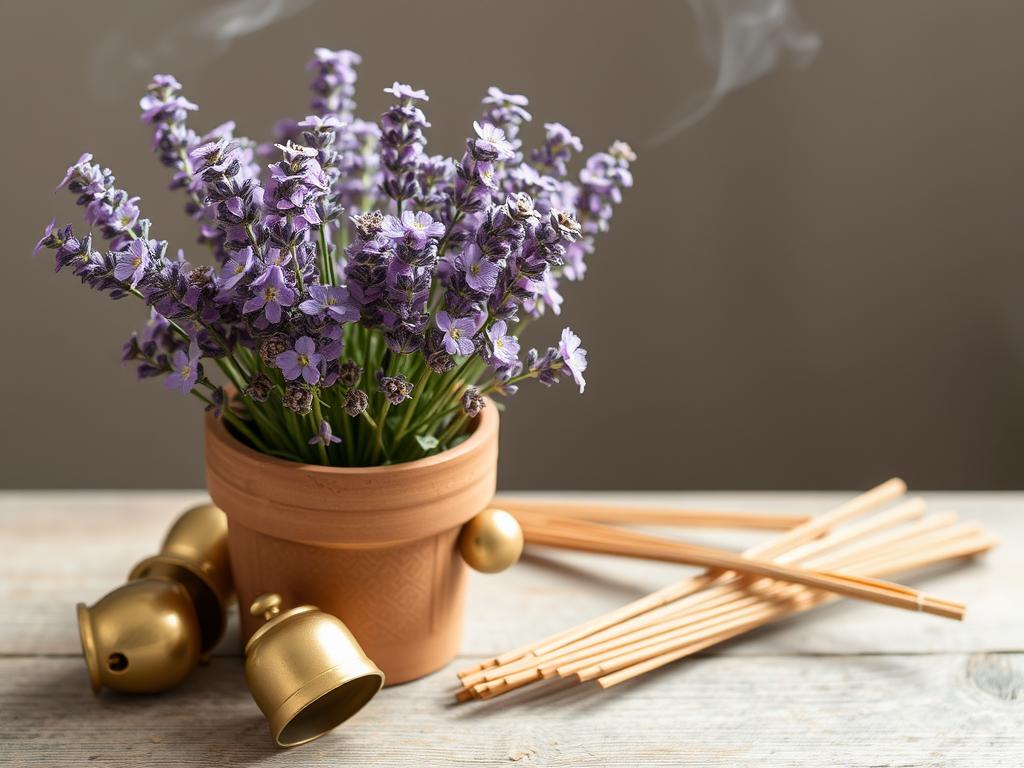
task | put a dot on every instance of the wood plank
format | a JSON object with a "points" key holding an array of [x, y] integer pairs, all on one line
{"points": [[67, 547], [940, 710]]}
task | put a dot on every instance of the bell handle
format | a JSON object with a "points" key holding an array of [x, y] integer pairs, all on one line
{"points": [[267, 605]]}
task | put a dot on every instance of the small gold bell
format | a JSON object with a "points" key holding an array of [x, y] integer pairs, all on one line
{"points": [[195, 554], [492, 541], [306, 671], [147, 635], [141, 638]]}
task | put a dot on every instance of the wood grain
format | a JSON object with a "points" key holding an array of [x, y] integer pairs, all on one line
{"points": [[851, 684]]}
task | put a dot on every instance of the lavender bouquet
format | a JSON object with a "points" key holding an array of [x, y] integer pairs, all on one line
{"points": [[367, 298]]}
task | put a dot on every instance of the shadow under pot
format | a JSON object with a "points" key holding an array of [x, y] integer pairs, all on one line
{"points": [[375, 546]]}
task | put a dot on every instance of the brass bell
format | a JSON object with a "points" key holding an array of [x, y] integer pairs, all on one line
{"points": [[141, 638], [306, 671], [148, 635], [195, 554], [492, 541]]}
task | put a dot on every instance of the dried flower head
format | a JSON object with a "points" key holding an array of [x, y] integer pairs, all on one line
{"points": [[355, 402], [271, 347], [472, 402], [297, 398], [396, 389], [349, 373]]}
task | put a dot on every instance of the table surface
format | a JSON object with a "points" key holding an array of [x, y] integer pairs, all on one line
{"points": [[848, 684]]}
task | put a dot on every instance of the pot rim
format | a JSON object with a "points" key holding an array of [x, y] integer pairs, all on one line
{"points": [[352, 507], [484, 426]]}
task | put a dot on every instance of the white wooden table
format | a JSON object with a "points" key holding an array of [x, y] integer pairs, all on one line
{"points": [[849, 684]]}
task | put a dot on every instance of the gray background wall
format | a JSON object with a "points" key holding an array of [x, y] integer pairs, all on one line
{"points": [[816, 286]]}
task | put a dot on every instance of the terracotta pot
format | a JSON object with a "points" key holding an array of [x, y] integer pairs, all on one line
{"points": [[375, 546]]}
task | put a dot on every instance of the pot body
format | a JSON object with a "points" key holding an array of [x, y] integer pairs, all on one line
{"points": [[374, 546]]}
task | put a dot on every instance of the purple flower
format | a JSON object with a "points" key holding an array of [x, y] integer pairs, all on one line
{"points": [[481, 273], [505, 348], [507, 111], [574, 358], [185, 369], [324, 436], [491, 143], [413, 228], [559, 144], [335, 302], [272, 293], [132, 263], [297, 184], [401, 144], [81, 167], [235, 268], [334, 84], [46, 236], [545, 293], [458, 333], [302, 361], [406, 92], [498, 97]]}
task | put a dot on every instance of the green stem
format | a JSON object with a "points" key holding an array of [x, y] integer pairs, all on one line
{"points": [[378, 435], [327, 276], [444, 391], [319, 417], [410, 407], [453, 429], [350, 449]]}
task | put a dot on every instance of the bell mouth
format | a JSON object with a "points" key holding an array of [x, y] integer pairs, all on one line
{"points": [[88, 646], [322, 704]]}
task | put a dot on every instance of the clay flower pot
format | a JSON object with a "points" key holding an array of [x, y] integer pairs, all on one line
{"points": [[374, 546]]}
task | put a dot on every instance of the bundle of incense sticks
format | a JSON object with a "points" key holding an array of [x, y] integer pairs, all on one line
{"points": [[842, 552]]}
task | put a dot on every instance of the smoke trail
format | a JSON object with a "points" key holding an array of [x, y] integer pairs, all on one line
{"points": [[162, 37], [741, 41]]}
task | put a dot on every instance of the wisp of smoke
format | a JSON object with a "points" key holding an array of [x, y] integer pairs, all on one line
{"points": [[160, 37], [741, 41]]}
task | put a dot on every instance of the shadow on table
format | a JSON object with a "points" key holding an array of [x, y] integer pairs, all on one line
{"points": [[210, 718], [596, 578]]}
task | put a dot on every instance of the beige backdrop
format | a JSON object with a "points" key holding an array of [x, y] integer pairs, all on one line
{"points": [[817, 286]]}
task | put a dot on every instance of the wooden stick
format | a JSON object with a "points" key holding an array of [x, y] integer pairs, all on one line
{"points": [[594, 537], [645, 515], [808, 531]]}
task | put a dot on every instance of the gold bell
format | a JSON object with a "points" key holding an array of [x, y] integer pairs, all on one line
{"points": [[141, 638], [492, 541], [148, 635], [195, 554], [306, 671]]}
